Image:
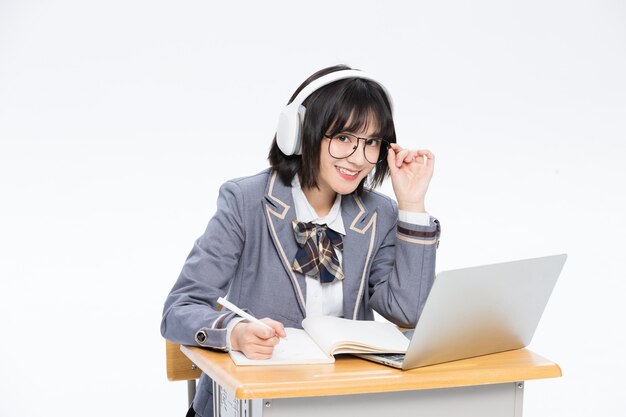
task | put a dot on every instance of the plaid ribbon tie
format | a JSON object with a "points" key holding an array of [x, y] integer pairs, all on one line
{"points": [[316, 255]]}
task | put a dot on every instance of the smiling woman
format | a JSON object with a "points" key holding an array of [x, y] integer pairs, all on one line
{"points": [[308, 236], [347, 101]]}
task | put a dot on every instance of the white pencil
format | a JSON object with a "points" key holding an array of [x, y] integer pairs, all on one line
{"points": [[241, 313]]}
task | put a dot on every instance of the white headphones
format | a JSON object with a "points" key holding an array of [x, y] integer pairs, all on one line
{"points": [[289, 130]]}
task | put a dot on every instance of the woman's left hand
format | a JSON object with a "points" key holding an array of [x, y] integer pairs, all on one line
{"points": [[410, 172]]}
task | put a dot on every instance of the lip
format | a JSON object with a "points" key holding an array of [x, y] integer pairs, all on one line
{"points": [[346, 176]]}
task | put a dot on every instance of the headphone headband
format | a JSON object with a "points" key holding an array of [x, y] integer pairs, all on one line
{"points": [[289, 130]]}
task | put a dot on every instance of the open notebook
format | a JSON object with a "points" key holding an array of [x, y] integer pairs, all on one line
{"points": [[326, 336]]}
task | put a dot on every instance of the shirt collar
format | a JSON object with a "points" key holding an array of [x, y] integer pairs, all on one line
{"points": [[306, 213]]}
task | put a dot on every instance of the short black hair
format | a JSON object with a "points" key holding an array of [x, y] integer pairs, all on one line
{"points": [[328, 111]]}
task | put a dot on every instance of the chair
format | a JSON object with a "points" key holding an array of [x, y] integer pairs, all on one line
{"points": [[180, 368]]}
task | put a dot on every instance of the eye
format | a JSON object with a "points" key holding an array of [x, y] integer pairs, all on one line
{"points": [[372, 143], [343, 138]]}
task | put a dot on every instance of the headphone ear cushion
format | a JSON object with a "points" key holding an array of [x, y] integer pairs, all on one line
{"points": [[289, 130]]}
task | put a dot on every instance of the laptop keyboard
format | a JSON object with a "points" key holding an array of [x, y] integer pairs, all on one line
{"points": [[392, 356]]}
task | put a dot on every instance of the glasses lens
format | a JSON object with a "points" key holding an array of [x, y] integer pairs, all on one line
{"points": [[374, 150], [342, 145]]}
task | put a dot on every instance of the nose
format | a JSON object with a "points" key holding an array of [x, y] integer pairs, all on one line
{"points": [[358, 156]]}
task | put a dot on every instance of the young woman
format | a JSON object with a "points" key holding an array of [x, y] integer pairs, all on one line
{"points": [[308, 236]]}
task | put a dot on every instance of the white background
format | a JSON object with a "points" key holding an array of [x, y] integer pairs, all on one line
{"points": [[119, 120]]}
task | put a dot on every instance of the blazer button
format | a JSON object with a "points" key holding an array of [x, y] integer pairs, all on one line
{"points": [[201, 336]]}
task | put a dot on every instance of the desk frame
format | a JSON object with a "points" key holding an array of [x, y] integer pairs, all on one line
{"points": [[491, 385], [496, 400]]}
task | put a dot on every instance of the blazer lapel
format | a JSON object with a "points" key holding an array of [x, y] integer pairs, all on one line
{"points": [[279, 214], [360, 225]]}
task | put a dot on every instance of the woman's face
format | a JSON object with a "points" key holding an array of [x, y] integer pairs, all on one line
{"points": [[343, 176]]}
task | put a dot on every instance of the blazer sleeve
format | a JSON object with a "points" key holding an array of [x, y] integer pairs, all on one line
{"points": [[190, 313], [403, 270]]}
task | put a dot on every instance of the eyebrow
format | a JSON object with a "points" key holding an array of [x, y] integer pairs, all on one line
{"points": [[377, 135]]}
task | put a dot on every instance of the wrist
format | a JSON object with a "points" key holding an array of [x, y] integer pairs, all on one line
{"points": [[416, 207], [229, 331], [234, 340]]}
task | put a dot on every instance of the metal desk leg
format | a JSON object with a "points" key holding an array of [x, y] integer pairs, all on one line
{"points": [[191, 391]]}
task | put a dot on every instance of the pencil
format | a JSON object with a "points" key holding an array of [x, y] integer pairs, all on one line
{"points": [[241, 313]]}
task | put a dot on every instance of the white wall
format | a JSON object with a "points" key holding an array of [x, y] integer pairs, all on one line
{"points": [[119, 120]]}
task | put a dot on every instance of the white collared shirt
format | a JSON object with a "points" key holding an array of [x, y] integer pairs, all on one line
{"points": [[322, 299]]}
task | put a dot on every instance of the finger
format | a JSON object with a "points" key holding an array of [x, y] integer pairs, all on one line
{"points": [[266, 343], [278, 327], [426, 152], [261, 332], [258, 352], [254, 355], [401, 156], [253, 344], [411, 156], [428, 155], [419, 158], [262, 349], [397, 149], [391, 160]]}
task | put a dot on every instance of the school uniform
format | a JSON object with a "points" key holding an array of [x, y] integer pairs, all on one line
{"points": [[248, 249]]}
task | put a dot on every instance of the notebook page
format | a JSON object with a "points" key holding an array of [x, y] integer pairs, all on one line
{"points": [[297, 348], [337, 335]]}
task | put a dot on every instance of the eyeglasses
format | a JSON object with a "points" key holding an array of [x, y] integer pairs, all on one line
{"points": [[342, 145]]}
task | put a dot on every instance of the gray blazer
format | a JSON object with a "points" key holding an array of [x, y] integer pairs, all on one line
{"points": [[247, 251]]}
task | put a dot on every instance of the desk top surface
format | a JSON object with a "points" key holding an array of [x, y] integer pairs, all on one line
{"points": [[351, 375]]}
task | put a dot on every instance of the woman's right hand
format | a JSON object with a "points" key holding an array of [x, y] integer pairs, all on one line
{"points": [[256, 341]]}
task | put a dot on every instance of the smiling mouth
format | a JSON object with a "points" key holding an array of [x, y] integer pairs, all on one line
{"points": [[346, 173]]}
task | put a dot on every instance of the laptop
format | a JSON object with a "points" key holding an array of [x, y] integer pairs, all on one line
{"points": [[477, 311]]}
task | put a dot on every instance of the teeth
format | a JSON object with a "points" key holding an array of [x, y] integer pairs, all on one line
{"points": [[345, 171]]}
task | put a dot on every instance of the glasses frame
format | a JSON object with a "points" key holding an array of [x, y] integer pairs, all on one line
{"points": [[384, 146]]}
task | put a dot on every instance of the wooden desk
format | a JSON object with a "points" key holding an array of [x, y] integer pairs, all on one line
{"points": [[490, 385]]}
